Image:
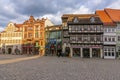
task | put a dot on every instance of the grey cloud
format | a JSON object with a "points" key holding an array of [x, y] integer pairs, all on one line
{"points": [[42, 7]]}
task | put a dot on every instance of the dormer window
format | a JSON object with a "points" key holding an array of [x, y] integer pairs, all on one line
{"points": [[76, 20], [92, 19]]}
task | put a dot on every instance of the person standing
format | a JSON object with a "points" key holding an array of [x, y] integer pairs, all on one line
{"points": [[59, 52]]}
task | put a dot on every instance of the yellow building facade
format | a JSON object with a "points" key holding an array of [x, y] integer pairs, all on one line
{"points": [[11, 39]]}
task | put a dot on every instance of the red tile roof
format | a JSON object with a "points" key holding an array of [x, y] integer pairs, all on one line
{"points": [[114, 14], [105, 18]]}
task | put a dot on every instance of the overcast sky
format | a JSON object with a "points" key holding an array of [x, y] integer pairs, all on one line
{"points": [[18, 11]]}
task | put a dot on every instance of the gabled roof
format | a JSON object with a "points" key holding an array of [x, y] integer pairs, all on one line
{"points": [[114, 14], [105, 18]]}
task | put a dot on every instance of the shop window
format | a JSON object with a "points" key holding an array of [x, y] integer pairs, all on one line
{"points": [[109, 54], [105, 53], [112, 53]]}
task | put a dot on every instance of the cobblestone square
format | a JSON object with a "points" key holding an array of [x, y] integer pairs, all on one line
{"points": [[63, 68]]}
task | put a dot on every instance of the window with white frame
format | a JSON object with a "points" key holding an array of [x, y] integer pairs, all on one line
{"points": [[109, 51], [113, 30], [109, 29]]}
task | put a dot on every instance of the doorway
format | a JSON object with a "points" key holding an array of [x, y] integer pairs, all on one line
{"points": [[96, 52], [9, 50], [86, 52]]}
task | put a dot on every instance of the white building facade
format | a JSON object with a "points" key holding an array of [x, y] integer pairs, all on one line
{"points": [[109, 42]]}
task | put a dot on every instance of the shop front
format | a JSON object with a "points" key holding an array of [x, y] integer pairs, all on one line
{"points": [[109, 52], [76, 51], [87, 51]]}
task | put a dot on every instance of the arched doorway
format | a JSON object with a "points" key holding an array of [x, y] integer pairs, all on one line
{"points": [[9, 50]]}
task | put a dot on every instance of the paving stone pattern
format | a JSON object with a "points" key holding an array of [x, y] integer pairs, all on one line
{"points": [[63, 68]]}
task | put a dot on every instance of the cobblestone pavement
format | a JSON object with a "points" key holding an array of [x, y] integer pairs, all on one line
{"points": [[54, 68], [10, 56]]}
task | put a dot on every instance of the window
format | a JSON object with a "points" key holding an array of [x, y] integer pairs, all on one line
{"points": [[109, 30], [41, 43], [92, 19], [85, 38], [98, 28], [92, 28], [36, 34], [70, 28], [113, 39], [80, 28], [79, 38], [109, 51], [30, 28], [73, 28], [73, 38], [92, 38], [118, 38], [98, 38], [105, 38], [65, 32], [112, 53], [25, 36], [85, 28], [109, 39], [37, 27], [30, 35], [105, 29], [105, 53], [76, 20], [113, 30], [25, 28]]}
